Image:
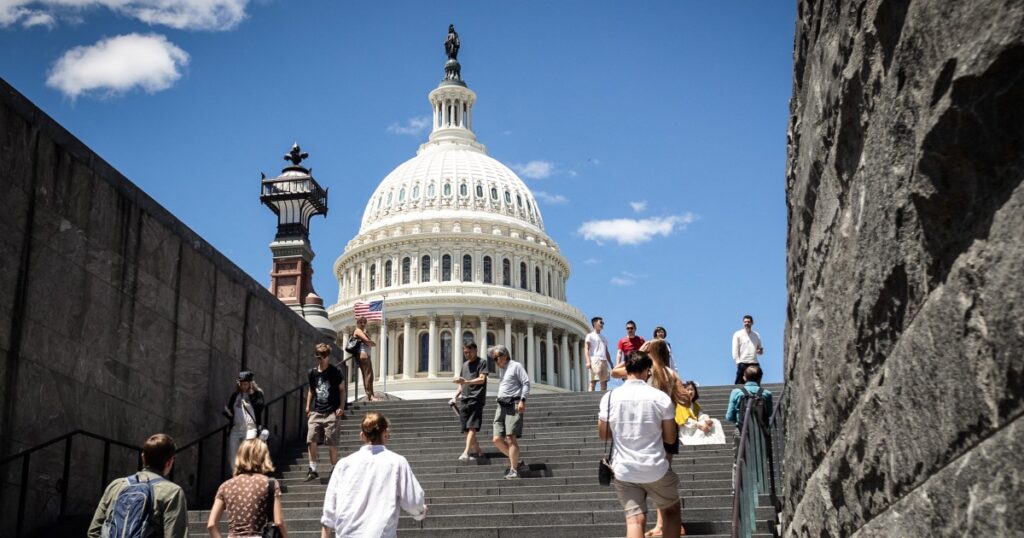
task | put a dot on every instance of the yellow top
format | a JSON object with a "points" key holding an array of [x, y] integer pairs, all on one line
{"points": [[685, 413]]}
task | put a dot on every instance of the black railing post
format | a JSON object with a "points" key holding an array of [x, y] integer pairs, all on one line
{"points": [[66, 476], [106, 466], [22, 495]]}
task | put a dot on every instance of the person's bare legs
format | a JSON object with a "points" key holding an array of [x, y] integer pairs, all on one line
{"points": [[313, 457], [671, 517], [593, 385], [513, 451], [604, 385], [334, 453], [635, 526], [472, 444]]}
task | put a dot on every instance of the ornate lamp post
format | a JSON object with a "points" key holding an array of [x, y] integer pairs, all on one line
{"points": [[295, 197]]}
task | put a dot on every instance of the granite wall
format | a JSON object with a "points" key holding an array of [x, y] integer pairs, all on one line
{"points": [[905, 336], [115, 318]]}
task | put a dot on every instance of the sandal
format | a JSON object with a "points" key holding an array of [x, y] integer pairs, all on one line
{"points": [[653, 533]]}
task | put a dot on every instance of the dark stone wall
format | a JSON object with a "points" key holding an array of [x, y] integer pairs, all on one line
{"points": [[905, 336], [115, 318]]}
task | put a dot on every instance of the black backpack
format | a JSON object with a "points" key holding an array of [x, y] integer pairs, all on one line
{"points": [[132, 510], [758, 407]]}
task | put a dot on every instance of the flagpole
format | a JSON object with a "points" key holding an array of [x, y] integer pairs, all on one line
{"points": [[383, 322]]}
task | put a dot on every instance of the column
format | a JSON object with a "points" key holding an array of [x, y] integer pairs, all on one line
{"points": [[433, 358], [550, 343], [508, 333], [457, 345], [382, 352], [531, 354], [584, 363], [407, 368], [482, 340], [563, 358]]}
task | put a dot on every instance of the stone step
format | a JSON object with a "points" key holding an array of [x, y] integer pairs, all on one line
{"points": [[718, 479], [719, 519], [503, 489]]}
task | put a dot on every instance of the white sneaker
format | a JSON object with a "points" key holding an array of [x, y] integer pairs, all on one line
{"points": [[466, 457]]}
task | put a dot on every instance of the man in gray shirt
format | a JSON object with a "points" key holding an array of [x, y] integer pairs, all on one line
{"points": [[472, 393], [513, 388]]}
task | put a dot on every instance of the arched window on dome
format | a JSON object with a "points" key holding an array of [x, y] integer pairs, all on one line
{"points": [[519, 200], [467, 268], [446, 351], [416, 192], [359, 282], [524, 281], [447, 190], [425, 269], [529, 206], [380, 200], [373, 276], [401, 195], [446, 268], [494, 194], [389, 199], [536, 279], [467, 337], [387, 274], [424, 352], [506, 272], [549, 283], [406, 269], [508, 198], [479, 191], [488, 278], [463, 190], [431, 191]]}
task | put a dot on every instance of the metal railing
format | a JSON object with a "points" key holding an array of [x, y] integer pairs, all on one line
{"points": [[62, 485], [754, 473], [276, 421]]}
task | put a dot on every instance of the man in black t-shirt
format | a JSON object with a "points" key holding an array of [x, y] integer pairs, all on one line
{"points": [[472, 393], [324, 407]]}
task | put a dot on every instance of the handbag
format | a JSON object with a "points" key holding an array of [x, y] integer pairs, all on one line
{"points": [[270, 529], [605, 474], [353, 345]]}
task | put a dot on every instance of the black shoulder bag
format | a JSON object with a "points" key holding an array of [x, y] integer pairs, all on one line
{"points": [[605, 474], [270, 529]]}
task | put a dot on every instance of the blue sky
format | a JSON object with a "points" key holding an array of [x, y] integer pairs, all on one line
{"points": [[671, 114]]}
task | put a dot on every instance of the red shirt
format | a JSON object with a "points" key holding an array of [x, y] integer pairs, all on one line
{"points": [[628, 344]]}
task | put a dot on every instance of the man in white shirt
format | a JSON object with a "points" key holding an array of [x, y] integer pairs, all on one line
{"points": [[513, 388], [595, 348], [640, 420], [746, 346]]}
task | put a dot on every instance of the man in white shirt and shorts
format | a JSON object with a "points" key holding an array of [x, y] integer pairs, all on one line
{"points": [[640, 420], [595, 348]]}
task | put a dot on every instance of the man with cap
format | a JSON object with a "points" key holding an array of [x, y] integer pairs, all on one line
{"points": [[245, 411]]}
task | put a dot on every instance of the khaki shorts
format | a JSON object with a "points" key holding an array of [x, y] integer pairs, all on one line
{"points": [[325, 424], [598, 369], [508, 421], [664, 492]]}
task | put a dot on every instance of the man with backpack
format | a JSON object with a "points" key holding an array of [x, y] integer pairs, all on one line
{"points": [[751, 390], [144, 504]]}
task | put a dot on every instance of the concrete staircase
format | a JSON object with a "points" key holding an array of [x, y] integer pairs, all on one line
{"points": [[558, 496]]}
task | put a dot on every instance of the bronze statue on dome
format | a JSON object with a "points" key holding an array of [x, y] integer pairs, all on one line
{"points": [[451, 45]]}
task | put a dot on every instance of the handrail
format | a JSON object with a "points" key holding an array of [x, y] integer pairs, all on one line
{"points": [[63, 485], [753, 473]]}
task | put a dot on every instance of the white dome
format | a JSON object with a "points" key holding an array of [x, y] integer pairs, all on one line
{"points": [[451, 181]]}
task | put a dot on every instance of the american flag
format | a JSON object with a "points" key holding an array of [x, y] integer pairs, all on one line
{"points": [[373, 310]]}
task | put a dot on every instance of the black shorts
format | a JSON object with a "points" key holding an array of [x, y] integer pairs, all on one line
{"points": [[471, 414]]}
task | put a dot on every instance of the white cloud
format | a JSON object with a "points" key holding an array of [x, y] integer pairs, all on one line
{"points": [[551, 199], [639, 207], [633, 231], [413, 126], [535, 169], [179, 14], [39, 18], [591, 261], [117, 65], [621, 281]]}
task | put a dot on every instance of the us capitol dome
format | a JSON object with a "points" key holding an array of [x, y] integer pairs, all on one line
{"points": [[454, 243]]}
